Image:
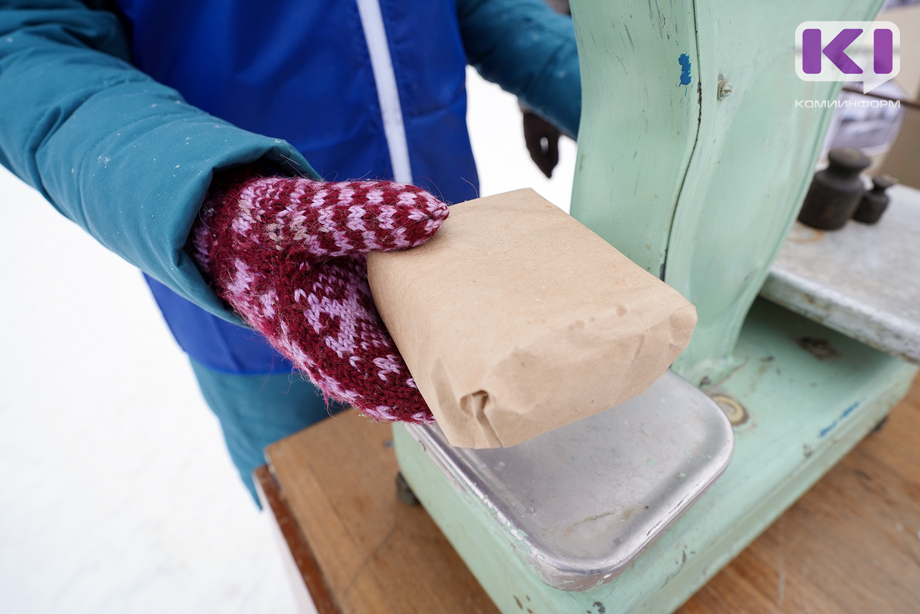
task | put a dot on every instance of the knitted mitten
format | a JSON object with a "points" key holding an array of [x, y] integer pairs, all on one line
{"points": [[289, 255]]}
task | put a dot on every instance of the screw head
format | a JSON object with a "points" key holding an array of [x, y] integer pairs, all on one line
{"points": [[725, 89]]}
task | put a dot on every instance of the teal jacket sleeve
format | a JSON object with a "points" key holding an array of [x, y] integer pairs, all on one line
{"points": [[528, 50], [119, 154]]}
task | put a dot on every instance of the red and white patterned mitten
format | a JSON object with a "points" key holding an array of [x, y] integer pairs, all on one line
{"points": [[289, 255]]}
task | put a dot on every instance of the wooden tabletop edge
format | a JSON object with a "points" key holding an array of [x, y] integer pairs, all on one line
{"points": [[273, 502]]}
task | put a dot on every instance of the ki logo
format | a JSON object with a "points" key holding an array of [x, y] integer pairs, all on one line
{"points": [[867, 51]]}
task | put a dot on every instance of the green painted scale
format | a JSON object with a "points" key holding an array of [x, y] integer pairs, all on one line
{"points": [[693, 161]]}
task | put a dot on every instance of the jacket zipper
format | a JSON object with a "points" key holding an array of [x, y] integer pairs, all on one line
{"points": [[385, 77]]}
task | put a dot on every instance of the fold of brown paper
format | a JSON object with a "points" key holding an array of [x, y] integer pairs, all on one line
{"points": [[516, 320]]}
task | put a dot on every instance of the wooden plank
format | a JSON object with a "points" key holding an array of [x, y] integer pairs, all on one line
{"points": [[849, 545], [376, 553], [305, 576]]}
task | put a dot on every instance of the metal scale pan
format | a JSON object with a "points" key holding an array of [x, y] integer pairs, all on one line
{"points": [[578, 504]]}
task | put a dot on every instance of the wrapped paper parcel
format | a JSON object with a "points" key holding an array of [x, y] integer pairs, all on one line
{"points": [[516, 320]]}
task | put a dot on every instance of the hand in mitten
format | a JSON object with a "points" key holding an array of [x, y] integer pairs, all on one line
{"points": [[289, 255]]}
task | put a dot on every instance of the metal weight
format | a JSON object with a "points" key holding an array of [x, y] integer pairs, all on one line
{"points": [[874, 201], [835, 192]]}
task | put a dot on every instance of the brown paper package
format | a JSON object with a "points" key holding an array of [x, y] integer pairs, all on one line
{"points": [[515, 319]]}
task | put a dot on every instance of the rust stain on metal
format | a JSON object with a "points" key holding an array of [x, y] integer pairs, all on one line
{"points": [[819, 348]]}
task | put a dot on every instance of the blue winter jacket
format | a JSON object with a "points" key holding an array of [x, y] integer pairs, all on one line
{"points": [[120, 113]]}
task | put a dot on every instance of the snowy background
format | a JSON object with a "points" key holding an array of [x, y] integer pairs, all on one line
{"points": [[116, 492]]}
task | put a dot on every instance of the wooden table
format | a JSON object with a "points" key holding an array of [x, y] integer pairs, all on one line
{"points": [[851, 544]]}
